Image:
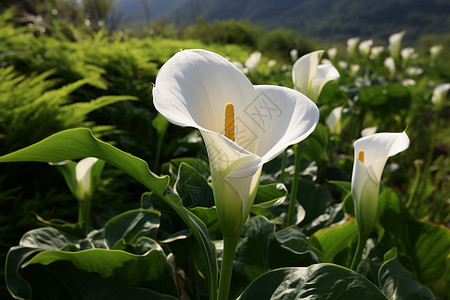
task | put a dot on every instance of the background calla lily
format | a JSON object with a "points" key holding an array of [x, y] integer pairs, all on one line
{"points": [[367, 171], [439, 94], [193, 88], [309, 77]]}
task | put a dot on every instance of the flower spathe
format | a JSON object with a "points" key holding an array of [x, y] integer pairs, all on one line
{"points": [[309, 77], [193, 88], [439, 94], [83, 175], [371, 155]]}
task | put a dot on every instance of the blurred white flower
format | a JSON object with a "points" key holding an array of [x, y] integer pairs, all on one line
{"points": [[440, 93], [395, 44], [334, 120], [351, 46], [354, 69], [252, 62], [364, 47], [331, 52], [408, 53], [408, 82], [368, 131], [294, 54], [271, 62], [343, 64], [414, 71], [390, 64], [435, 51], [376, 51]]}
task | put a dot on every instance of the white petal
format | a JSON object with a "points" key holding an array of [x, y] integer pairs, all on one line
{"points": [[359, 178], [193, 87], [334, 117], [378, 148], [294, 120], [83, 172], [226, 156], [304, 70], [325, 73]]}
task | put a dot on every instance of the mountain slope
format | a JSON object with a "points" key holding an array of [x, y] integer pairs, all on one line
{"points": [[323, 19]]}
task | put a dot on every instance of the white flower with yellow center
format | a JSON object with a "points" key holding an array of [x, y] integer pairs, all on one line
{"points": [[371, 155], [243, 126]]}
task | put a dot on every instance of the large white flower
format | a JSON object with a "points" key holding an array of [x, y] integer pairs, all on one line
{"points": [[371, 155], [309, 77], [194, 87]]}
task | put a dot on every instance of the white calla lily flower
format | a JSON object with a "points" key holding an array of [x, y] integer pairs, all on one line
{"points": [[334, 120], [332, 52], [253, 61], [395, 44], [352, 43], [195, 88], [309, 77], [371, 155], [364, 47], [440, 93], [85, 187]]}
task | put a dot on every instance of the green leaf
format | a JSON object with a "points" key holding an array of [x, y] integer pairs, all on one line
{"points": [[313, 148], [397, 283], [80, 143], [32, 243], [129, 268], [104, 289], [259, 251], [269, 193], [423, 247], [319, 281], [160, 124], [127, 227], [193, 188], [314, 198], [334, 239]]}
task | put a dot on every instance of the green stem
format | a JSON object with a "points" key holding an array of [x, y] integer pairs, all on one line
{"points": [[283, 166], [229, 249], [159, 146], [294, 188], [362, 239], [84, 214]]}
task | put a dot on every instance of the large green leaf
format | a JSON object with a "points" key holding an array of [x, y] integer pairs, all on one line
{"points": [[314, 198], [129, 268], [259, 251], [397, 283], [127, 227], [80, 143], [193, 188], [319, 281], [332, 240], [423, 247]]}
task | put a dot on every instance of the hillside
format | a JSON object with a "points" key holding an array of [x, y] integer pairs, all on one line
{"points": [[324, 19]]}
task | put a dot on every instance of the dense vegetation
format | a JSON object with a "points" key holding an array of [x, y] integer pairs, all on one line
{"points": [[55, 75]]}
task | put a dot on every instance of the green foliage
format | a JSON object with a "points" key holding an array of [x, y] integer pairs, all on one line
{"points": [[167, 249]]}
